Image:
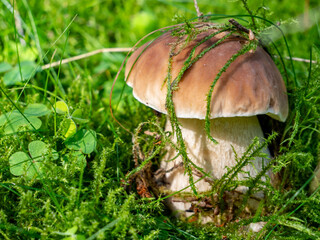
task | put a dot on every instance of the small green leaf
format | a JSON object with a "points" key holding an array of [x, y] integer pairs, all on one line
{"points": [[61, 107], [84, 140], [34, 168], [17, 121], [36, 110], [80, 120], [14, 120], [4, 67], [39, 152], [77, 113], [13, 76], [19, 163], [4, 118], [69, 128], [39, 149], [23, 164], [75, 237], [26, 52], [77, 116], [72, 230]]}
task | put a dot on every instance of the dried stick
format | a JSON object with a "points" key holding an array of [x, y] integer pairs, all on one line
{"points": [[199, 13], [298, 59], [85, 55], [301, 60], [239, 26]]}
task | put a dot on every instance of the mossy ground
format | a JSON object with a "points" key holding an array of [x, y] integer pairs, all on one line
{"points": [[87, 201]]}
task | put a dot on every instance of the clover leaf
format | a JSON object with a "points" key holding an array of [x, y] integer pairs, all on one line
{"points": [[36, 110], [20, 73], [61, 107], [77, 116], [31, 165], [19, 163], [84, 140], [69, 128], [14, 120], [4, 67]]}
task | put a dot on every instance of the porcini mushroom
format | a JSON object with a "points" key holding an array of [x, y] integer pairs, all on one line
{"points": [[250, 86]]}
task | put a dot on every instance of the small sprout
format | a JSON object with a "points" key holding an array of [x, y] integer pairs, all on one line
{"points": [[69, 127], [251, 35], [30, 166]]}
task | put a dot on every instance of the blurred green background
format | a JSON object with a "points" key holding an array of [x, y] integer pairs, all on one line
{"points": [[103, 24], [121, 23]]}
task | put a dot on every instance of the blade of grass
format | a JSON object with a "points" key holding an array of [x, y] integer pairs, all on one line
{"points": [[10, 189], [34, 28], [105, 228], [61, 90]]}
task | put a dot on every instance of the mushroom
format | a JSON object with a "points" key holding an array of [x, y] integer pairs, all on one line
{"points": [[251, 85]]}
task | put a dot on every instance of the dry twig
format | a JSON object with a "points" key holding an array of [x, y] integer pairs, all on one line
{"points": [[199, 13], [85, 55]]}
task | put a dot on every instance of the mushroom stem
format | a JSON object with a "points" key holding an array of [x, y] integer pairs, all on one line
{"points": [[232, 134]]}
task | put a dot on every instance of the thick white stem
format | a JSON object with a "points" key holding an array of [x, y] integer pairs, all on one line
{"points": [[232, 134]]}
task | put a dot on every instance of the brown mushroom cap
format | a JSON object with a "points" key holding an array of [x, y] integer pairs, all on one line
{"points": [[251, 85]]}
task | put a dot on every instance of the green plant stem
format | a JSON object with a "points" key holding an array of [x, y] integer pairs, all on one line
{"points": [[245, 5]]}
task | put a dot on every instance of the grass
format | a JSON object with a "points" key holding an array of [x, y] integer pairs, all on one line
{"points": [[81, 194]]}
